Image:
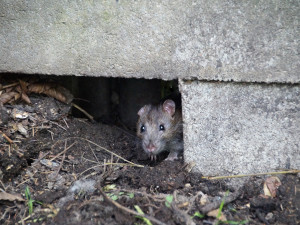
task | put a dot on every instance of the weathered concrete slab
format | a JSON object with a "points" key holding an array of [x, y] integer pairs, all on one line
{"points": [[237, 128], [212, 40]]}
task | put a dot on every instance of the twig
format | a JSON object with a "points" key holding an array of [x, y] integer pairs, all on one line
{"points": [[160, 197], [83, 111], [108, 163], [66, 122], [214, 205], [116, 204], [183, 215], [192, 200], [88, 160], [104, 165], [93, 167], [51, 134], [58, 125], [120, 164], [60, 166], [62, 161], [41, 156], [7, 210], [23, 182], [250, 175], [45, 127], [3, 185], [9, 85], [94, 153], [104, 171], [6, 137], [64, 151], [114, 154], [37, 211], [91, 174], [35, 129]]}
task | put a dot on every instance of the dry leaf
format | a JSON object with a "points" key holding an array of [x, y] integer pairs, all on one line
{"points": [[25, 97], [204, 199], [6, 97], [10, 197], [22, 89], [190, 166], [19, 114], [270, 186], [70, 157], [183, 205], [23, 86], [214, 213], [22, 129], [48, 163], [53, 90]]}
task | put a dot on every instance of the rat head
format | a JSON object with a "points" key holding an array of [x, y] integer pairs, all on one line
{"points": [[156, 126]]}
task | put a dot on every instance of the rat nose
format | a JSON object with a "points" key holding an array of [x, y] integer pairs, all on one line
{"points": [[151, 147]]}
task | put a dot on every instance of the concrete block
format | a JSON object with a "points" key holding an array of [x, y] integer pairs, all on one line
{"points": [[240, 128], [208, 40]]}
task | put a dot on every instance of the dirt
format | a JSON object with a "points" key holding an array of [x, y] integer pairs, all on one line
{"points": [[76, 174]]}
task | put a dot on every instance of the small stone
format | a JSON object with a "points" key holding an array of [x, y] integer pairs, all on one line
{"points": [[188, 185], [269, 216]]}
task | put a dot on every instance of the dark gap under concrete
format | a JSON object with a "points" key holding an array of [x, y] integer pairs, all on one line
{"points": [[108, 100]]}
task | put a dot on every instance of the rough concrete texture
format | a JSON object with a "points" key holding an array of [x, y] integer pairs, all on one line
{"points": [[212, 40], [237, 128]]}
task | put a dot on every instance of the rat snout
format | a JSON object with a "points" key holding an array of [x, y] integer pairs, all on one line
{"points": [[151, 147]]}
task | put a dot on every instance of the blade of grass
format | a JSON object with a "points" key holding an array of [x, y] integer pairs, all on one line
{"points": [[30, 201], [139, 210], [198, 214], [222, 204]]}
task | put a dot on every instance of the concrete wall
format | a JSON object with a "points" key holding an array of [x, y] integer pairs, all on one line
{"points": [[213, 40], [241, 128], [230, 127]]}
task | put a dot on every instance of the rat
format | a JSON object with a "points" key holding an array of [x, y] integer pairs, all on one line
{"points": [[160, 129]]}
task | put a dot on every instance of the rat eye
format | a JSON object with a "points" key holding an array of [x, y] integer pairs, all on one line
{"points": [[161, 127], [143, 128]]}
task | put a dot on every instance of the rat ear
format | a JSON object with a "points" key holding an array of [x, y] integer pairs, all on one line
{"points": [[169, 107], [143, 110]]}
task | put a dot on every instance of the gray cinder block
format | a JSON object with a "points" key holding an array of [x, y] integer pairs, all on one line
{"points": [[241, 128]]}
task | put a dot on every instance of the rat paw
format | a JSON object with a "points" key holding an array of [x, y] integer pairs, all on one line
{"points": [[172, 156]]}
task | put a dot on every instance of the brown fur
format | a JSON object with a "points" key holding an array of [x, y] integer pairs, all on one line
{"points": [[169, 139]]}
